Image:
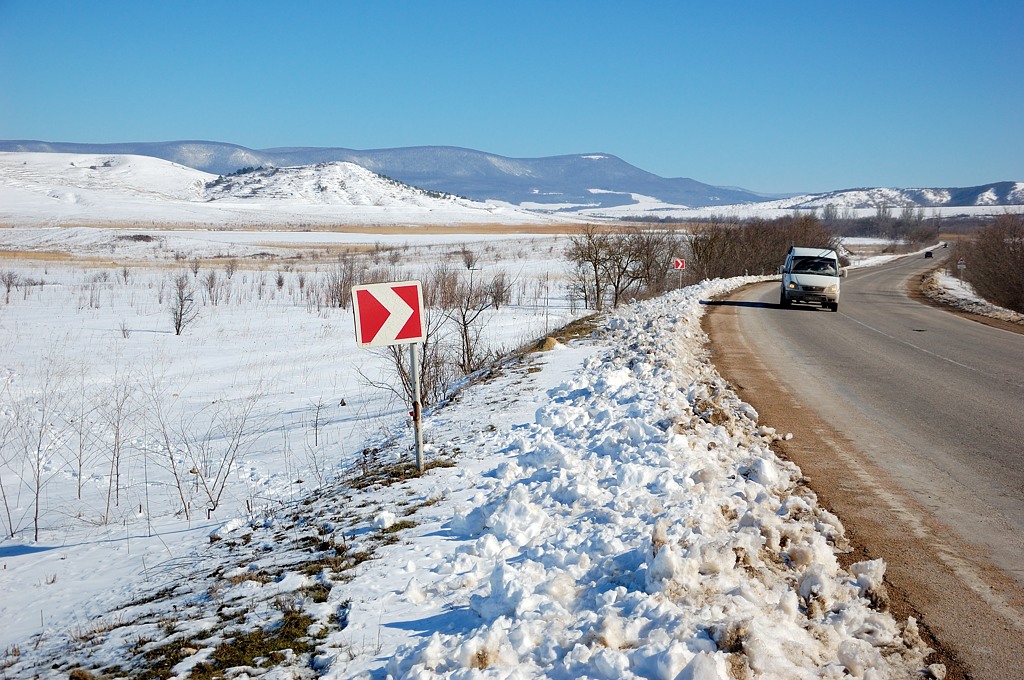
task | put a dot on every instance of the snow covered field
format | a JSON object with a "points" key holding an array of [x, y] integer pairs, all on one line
{"points": [[606, 508]]}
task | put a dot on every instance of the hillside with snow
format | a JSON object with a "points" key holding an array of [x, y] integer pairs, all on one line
{"points": [[56, 189], [53, 189], [591, 185]]}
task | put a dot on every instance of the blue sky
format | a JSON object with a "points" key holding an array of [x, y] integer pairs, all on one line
{"points": [[770, 96]]}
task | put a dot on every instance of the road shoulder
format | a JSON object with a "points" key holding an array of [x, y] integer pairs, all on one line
{"points": [[968, 637]]}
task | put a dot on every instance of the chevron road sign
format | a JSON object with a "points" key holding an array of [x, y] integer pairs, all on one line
{"points": [[388, 313]]}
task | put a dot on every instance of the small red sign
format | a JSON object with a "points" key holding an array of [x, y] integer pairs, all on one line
{"points": [[679, 263], [388, 313]]}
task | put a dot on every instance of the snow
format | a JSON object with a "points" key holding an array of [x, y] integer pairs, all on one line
{"points": [[611, 509], [608, 508], [59, 189], [95, 190]]}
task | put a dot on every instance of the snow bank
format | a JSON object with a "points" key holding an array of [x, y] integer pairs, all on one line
{"points": [[643, 528]]}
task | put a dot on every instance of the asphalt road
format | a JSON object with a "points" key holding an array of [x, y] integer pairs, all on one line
{"points": [[926, 411]]}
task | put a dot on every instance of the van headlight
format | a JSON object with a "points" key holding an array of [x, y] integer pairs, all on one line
{"points": [[830, 289], [793, 286]]}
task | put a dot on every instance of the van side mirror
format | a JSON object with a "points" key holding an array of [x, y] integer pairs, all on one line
{"points": [[782, 269]]}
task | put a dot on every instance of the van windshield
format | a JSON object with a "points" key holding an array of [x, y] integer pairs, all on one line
{"points": [[822, 266]]}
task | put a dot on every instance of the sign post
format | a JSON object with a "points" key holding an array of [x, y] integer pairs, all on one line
{"points": [[679, 265], [392, 314]]}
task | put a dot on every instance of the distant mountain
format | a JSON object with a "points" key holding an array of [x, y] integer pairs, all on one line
{"points": [[995, 194], [555, 182], [588, 183]]}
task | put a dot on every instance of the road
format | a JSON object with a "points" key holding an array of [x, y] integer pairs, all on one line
{"points": [[908, 422]]}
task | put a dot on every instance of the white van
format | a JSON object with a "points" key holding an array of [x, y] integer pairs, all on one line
{"points": [[811, 275]]}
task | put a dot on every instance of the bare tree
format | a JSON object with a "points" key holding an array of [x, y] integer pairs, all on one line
{"points": [[182, 304], [470, 300], [7, 431], [589, 251], [119, 413], [160, 402], [500, 289], [315, 452], [83, 410], [210, 282], [40, 432], [340, 278], [714, 249], [9, 279]]}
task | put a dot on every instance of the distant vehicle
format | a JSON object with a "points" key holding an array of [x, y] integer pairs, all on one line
{"points": [[929, 253], [811, 275]]}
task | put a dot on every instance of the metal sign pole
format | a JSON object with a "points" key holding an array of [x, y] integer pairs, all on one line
{"points": [[414, 355]]}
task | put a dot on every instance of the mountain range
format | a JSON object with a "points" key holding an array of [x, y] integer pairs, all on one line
{"points": [[589, 182]]}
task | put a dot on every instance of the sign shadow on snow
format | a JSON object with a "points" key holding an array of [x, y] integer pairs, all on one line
{"points": [[20, 550], [453, 622]]}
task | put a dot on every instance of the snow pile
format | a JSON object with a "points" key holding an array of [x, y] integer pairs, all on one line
{"points": [[953, 291], [641, 527]]}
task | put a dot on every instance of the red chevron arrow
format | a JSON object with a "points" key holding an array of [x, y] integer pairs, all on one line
{"points": [[388, 313]]}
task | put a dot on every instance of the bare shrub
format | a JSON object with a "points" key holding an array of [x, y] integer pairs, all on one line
{"points": [[118, 413], [216, 437], [182, 305], [469, 257], [9, 279], [995, 262], [38, 432], [336, 290], [436, 370], [721, 249], [210, 283], [633, 262], [470, 299]]}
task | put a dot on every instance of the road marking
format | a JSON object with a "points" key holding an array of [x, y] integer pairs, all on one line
{"points": [[946, 554], [912, 345]]}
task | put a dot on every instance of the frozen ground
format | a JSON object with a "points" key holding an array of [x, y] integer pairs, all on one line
{"points": [[606, 508]]}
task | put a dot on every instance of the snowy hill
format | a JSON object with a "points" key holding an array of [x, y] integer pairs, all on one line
{"points": [[57, 189], [327, 184], [998, 193], [570, 181]]}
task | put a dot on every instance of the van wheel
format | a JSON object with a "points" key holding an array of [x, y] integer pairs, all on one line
{"points": [[834, 306], [783, 300]]}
